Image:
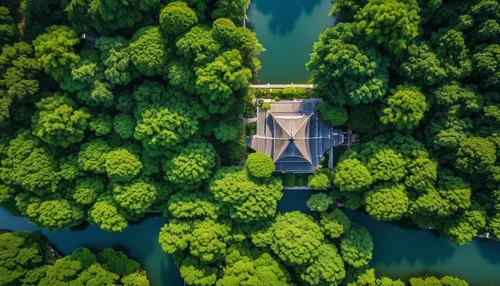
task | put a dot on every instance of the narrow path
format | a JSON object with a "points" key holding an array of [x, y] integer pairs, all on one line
{"points": [[280, 85]]}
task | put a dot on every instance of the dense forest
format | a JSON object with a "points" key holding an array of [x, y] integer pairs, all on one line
{"points": [[25, 259], [420, 80], [113, 109], [105, 129]]}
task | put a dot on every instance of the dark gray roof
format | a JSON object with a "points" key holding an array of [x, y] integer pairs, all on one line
{"points": [[293, 134]]}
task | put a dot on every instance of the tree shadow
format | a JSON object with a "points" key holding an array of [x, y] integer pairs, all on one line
{"points": [[394, 245], [295, 200], [489, 250], [284, 15]]}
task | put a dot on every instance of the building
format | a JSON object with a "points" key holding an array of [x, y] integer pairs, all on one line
{"points": [[294, 135]]}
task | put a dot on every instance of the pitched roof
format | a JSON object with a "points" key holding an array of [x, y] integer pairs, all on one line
{"points": [[293, 134]]}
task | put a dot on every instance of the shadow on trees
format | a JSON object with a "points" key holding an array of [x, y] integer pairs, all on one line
{"points": [[284, 15]]}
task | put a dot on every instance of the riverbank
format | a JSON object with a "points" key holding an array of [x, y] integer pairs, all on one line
{"points": [[402, 252]]}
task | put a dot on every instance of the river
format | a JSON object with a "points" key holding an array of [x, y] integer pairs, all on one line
{"points": [[404, 253], [398, 252], [287, 30]]}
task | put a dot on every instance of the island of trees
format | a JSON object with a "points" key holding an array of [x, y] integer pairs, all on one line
{"points": [[25, 259], [112, 109]]}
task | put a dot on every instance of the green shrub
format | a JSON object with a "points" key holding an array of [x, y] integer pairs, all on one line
{"points": [[251, 129], [288, 180], [266, 106]]}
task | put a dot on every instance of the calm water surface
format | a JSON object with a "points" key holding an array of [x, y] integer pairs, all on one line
{"points": [[288, 30], [403, 253], [139, 241], [398, 253]]}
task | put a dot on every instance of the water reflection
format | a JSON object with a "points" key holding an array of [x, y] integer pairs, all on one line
{"points": [[284, 14]]}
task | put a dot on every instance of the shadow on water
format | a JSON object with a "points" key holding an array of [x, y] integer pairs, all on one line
{"points": [[284, 15], [489, 250], [294, 200], [393, 244]]}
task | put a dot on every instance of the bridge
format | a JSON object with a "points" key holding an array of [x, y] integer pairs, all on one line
{"points": [[279, 85]]}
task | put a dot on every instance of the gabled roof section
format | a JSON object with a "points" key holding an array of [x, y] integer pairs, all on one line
{"points": [[293, 134]]}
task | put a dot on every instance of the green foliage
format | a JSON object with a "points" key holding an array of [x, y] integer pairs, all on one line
{"points": [[117, 262], [356, 246], [135, 197], [30, 165], [19, 71], [190, 205], [55, 214], [386, 165], [387, 202], [334, 115], [227, 131], [319, 182], [217, 82], [54, 50], [223, 30], [285, 93], [7, 27], [347, 73], [149, 51], [245, 266], [58, 121], [85, 256], [390, 23], [266, 106], [405, 108], [102, 124], [335, 223], [88, 190], [191, 166], [463, 228], [422, 174], [234, 10], [177, 18], [208, 240], [92, 156], [475, 155], [431, 280], [19, 252], [423, 66], [195, 272], [319, 202], [240, 193], [110, 16], [122, 165], [486, 62], [328, 267], [124, 125], [175, 236], [107, 216], [165, 118], [295, 238], [259, 165], [351, 175]]}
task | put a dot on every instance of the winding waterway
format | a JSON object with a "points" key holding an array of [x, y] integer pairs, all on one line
{"points": [[288, 30], [398, 252], [403, 253]]}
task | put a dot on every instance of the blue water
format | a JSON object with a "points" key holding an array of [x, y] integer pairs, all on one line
{"points": [[139, 241], [404, 253], [288, 30], [399, 253]]}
